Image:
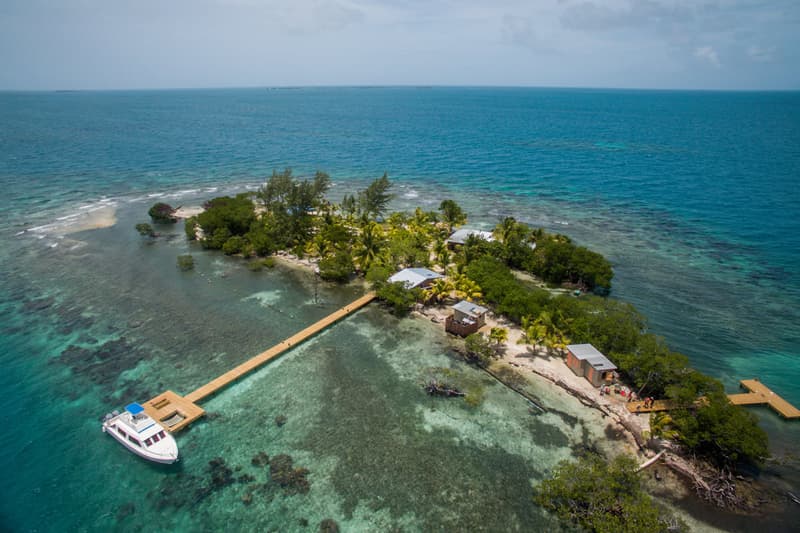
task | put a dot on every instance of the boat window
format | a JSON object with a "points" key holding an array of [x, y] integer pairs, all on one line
{"points": [[161, 434], [122, 432], [147, 442], [155, 438], [136, 442]]}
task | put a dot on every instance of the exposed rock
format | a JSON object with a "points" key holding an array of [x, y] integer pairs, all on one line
{"points": [[328, 525], [125, 511], [292, 480], [260, 459]]}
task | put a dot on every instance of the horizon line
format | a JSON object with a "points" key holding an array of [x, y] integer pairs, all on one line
{"points": [[396, 86]]}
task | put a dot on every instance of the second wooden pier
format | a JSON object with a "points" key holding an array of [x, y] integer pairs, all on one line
{"points": [[175, 412], [759, 394]]}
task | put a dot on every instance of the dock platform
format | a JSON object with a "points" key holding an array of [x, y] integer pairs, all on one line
{"points": [[175, 412], [759, 394]]}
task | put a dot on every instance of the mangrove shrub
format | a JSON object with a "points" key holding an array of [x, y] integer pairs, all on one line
{"points": [[162, 213], [605, 497]]}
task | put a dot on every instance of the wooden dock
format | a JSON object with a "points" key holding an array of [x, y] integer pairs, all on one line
{"points": [[175, 412], [759, 394], [658, 405]]}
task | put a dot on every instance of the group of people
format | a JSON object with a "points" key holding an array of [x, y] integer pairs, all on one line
{"points": [[631, 395]]}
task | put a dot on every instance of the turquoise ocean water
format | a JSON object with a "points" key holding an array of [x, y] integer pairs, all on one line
{"points": [[692, 195]]}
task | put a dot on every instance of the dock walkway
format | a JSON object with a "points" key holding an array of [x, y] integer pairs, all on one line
{"points": [[759, 394], [180, 411]]}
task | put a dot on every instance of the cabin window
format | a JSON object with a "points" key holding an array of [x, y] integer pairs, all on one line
{"points": [[122, 432], [161, 434], [136, 442], [155, 438], [147, 442]]}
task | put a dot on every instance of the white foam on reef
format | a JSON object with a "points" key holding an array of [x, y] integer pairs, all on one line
{"points": [[265, 298]]}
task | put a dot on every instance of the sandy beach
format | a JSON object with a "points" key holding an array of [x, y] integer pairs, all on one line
{"points": [[184, 212], [103, 217]]}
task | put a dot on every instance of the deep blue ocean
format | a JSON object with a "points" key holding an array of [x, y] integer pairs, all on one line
{"points": [[693, 196]]}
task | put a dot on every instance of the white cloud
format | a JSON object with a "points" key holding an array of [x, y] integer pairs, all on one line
{"points": [[761, 55], [707, 53]]}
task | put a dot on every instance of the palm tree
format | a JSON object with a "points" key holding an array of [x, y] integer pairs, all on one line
{"points": [[439, 290], [452, 214], [661, 426], [466, 289], [544, 331], [498, 335], [442, 252], [369, 244], [319, 246]]}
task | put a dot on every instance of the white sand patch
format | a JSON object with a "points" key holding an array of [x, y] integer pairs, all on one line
{"points": [[188, 211]]}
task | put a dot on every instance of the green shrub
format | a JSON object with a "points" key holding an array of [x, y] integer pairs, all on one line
{"points": [[604, 497], [338, 267], [234, 245], [217, 239], [397, 297], [190, 227], [162, 213], [256, 265], [260, 241], [235, 215], [378, 275], [145, 230], [478, 349], [185, 262]]}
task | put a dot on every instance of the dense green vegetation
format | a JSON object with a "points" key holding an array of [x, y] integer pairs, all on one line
{"points": [[478, 349], [553, 258], [145, 230], [162, 213], [399, 299], [604, 497], [185, 262]]}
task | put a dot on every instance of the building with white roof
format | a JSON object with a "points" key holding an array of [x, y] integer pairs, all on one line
{"points": [[587, 361], [415, 277], [460, 237]]}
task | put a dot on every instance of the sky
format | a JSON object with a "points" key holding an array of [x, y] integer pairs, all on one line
{"points": [[137, 44]]}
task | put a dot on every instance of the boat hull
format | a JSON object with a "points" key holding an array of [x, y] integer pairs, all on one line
{"points": [[169, 457]]}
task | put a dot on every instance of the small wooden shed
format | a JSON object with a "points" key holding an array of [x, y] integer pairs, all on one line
{"points": [[467, 318], [587, 361]]}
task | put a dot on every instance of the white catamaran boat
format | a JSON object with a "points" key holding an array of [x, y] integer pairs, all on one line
{"points": [[142, 435]]}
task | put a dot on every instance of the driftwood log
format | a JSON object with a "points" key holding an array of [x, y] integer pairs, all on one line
{"points": [[531, 399], [439, 388], [714, 486]]}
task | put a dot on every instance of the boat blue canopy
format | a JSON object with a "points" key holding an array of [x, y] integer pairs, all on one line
{"points": [[134, 408]]}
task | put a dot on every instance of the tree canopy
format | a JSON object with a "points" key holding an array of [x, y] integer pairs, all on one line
{"points": [[452, 214], [162, 213], [374, 200], [604, 497]]}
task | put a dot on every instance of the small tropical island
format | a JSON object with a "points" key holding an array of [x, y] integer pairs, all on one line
{"points": [[510, 290]]}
